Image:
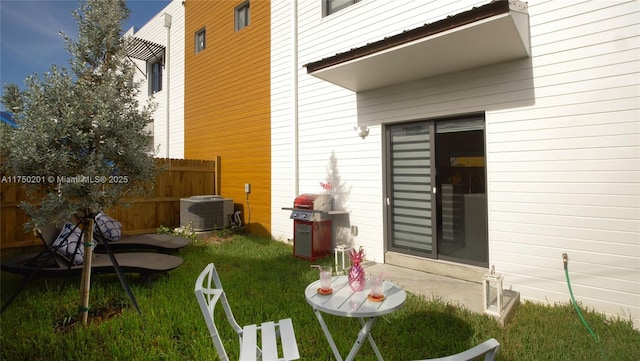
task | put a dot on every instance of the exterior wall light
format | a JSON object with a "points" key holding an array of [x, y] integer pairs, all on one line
{"points": [[362, 131]]}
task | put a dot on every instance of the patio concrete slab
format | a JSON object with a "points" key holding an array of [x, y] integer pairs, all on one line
{"points": [[455, 291]]}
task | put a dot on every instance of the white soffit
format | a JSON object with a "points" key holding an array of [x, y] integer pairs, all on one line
{"points": [[491, 40]]}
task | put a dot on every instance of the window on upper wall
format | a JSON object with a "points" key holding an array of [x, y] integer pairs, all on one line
{"points": [[155, 80], [242, 16], [201, 40], [331, 6]]}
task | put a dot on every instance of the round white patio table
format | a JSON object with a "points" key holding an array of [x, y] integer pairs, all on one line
{"points": [[347, 303]]}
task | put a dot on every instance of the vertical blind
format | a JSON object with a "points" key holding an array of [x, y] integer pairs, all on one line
{"points": [[410, 167]]}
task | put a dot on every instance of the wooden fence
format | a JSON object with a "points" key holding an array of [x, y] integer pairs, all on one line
{"points": [[180, 178]]}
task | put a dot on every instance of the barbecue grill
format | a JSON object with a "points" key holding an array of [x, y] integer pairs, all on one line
{"points": [[311, 226]]}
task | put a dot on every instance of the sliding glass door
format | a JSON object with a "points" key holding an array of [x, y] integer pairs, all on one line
{"points": [[436, 189]]}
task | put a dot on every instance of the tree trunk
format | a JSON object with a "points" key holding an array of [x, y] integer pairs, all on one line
{"points": [[85, 282]]}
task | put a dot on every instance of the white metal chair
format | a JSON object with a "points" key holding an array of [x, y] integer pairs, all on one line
{"points": [[208, 295], [489, 349]]}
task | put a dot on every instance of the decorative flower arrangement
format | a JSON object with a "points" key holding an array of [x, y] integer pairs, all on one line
{"points": [[356, 272]]}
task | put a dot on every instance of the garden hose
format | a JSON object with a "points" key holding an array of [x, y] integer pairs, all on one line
{"points": [[565, 259]]}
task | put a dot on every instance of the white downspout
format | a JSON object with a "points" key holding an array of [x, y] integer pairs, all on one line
{"points": [[294, 31], [167, 24]]}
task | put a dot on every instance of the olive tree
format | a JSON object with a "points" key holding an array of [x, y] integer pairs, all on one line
{"points": [[81, 130]]}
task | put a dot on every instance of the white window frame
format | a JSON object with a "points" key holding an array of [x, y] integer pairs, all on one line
{"points": [[327, 9], [155, 85]]}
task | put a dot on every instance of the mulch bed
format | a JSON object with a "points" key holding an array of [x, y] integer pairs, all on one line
{"points": [[112, 309]]}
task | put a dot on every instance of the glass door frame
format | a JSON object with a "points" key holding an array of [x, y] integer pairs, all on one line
{"points": [[387, 191], [435, 189]]}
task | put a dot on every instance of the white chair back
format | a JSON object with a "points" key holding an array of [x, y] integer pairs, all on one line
{"points": [[488, 348], [207, 297], [209, 294]]}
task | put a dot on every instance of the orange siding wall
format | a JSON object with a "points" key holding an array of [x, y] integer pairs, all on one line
{"points": [[227, 102]]}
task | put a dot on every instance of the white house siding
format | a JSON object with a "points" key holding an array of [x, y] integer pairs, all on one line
{"points": [[329, 150], [283, 68], [562, 140], [155, 31], [564, 172]]}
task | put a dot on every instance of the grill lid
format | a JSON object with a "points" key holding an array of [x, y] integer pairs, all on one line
{"points": [[318, 202], [311, 207]]}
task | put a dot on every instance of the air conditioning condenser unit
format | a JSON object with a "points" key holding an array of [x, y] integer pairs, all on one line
{"points": [[206, 212]]}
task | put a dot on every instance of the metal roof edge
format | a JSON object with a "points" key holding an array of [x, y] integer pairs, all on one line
{"points": [[494, 8]]}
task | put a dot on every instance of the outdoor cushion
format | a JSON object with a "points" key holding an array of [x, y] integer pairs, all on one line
{"points": [[109, 228], [69, 243]]}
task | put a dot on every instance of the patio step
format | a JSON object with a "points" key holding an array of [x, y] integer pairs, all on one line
{"points": [[451, 282], [436, 266]]}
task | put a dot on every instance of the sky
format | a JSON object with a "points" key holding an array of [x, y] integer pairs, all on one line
{"points": [[29, 34]]}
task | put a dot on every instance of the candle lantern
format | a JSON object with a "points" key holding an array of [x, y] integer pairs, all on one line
{"points": [[492, 292], [340, 258]]}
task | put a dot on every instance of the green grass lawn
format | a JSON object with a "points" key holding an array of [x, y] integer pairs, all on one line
{"points": [[264, 282]]}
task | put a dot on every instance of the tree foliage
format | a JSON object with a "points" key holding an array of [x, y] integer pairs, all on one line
{"points": [[82, 129]]}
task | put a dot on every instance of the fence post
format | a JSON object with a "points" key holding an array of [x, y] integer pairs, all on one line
{"points": [[217, 177]]}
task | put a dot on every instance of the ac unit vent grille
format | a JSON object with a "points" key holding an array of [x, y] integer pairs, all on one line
{"points": [[206, 212]]}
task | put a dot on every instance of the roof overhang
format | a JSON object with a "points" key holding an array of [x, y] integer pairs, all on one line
{"points": [[489, 34]]}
